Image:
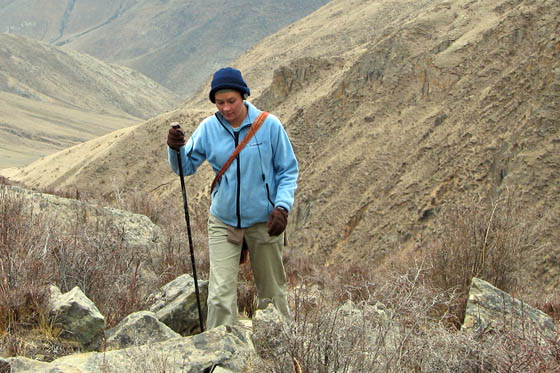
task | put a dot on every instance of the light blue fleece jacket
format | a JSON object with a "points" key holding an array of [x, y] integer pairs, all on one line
{"points": [[263, 177]]}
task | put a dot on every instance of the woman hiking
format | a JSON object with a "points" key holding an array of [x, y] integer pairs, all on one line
{"points": [[251, 196]]}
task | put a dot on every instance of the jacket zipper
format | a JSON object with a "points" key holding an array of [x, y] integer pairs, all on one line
{"points": [[238, 196]]}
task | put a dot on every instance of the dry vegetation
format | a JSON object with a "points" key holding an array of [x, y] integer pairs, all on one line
{"points": [[404, 325], [407, 318], [346, 317], [35, 252]]}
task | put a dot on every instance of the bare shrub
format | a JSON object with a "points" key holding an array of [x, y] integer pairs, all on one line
{"points": [[401, 326], [176, 255], [488, 239], [246, 292], [551, 308], [95, 260], [298, 265], [515, 344], [21, 269], [24, 275], [36, 251], [398, 327], [4, 180], [70, 192]]}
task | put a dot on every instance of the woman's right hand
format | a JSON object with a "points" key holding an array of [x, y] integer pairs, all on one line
{"points": [[175, 137]]}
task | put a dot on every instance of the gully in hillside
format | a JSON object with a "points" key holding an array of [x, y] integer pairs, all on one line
{"points": [[252, 194]]}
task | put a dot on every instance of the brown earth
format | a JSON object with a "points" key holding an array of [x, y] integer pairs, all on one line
{"points": [[394, 108]]}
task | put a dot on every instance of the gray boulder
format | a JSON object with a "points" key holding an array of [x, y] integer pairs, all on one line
{"points": [[271, 340], [137, 329], [176, 306], [4, 366], [78, 317], [270, 332], [228, 348], [137, 230], [488, 306]]}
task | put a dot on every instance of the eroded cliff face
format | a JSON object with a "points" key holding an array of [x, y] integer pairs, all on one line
{"points": [[460, 99]]}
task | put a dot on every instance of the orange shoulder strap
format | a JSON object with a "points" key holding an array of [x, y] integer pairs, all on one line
{"points": [[252, 130]]}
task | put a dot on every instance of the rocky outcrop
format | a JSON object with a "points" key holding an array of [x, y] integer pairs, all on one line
{"points": [[296, 78], [137, 329], [264, 344], [488, 307], [226, 347], [270, 335], [141, 342], [77, 316], [174, 313], [136, 230], [176, 305]]}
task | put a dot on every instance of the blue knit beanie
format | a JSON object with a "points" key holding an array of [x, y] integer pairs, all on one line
{"points": [[228, 78]]}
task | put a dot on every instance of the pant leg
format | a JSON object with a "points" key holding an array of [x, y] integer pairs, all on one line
{"points": [[224, 269], [265, 253]]}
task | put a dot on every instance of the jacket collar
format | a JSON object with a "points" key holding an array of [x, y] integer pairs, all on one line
{"points": [[252, 114]]}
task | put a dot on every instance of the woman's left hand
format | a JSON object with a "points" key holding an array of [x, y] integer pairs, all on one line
{"points": [[277, 221]]}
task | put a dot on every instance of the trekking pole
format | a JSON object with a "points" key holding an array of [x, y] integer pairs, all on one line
{"points": [[188, 221]]}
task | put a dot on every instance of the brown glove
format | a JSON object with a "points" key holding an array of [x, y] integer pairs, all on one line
{"points": [[175, 137], [277, 221]]}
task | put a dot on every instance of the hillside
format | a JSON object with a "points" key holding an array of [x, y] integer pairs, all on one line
{"points": [[51, 99], [177, 43], [395, 108]]}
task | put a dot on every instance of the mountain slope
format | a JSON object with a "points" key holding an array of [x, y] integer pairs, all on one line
{"points": [[394, 108], [39, 71], [51, 99], [177, 43]]}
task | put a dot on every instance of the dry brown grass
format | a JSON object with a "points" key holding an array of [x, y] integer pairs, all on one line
{"points": [[36, 252], [346, 316]]}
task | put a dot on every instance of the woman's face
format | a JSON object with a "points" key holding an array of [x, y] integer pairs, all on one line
{"points": [[230, 104]]}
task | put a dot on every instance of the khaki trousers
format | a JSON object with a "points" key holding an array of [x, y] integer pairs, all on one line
{"points": [[265, 254]]}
